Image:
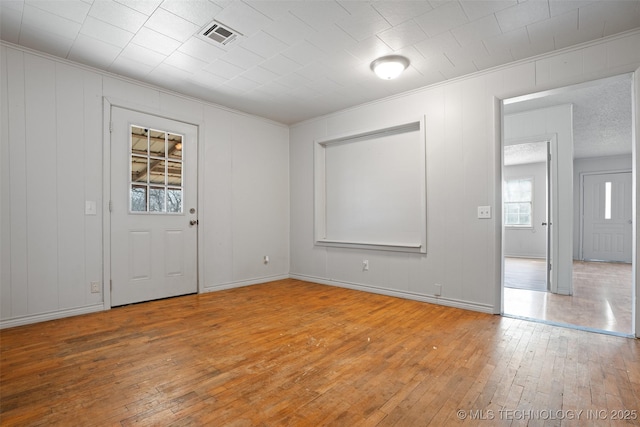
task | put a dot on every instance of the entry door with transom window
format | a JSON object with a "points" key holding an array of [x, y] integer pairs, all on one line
{"points": [[153, 207]]}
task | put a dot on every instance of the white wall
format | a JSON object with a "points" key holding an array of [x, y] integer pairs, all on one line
{"points": [[51, 158], [595, 164], [529, 242], [463, 172]]}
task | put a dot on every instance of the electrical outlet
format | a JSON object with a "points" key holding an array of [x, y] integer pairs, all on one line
{"points": [[484, 212], [95, 287], [266, 259], [365, 265], [437, 289]]}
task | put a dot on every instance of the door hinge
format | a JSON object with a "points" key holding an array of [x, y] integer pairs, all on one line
{"points": [[110, 127], [549, 266], [110, 205], [110, 285]]}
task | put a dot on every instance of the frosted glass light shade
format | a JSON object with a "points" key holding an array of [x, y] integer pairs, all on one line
{"points": [[389, 67]]}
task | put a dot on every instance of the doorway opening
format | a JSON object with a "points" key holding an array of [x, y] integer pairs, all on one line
{"points": [[571, 263], [527, 213]]}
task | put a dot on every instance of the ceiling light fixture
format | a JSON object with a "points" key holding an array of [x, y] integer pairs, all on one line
{"points": [[389, 67]]}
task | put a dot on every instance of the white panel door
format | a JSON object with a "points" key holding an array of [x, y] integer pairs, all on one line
{"points": [[607, 221], [153, 207]]}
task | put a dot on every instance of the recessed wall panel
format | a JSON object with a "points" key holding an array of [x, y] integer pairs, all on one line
{"points": [[370, 189], [140, 255], [174, 253]]}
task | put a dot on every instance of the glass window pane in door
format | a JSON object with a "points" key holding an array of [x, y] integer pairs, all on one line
{"points": [[157, 143], [139, 141], [174, 173], [138, 198], [139, 167], [174, 200], [157, 174], [174, 146], [156, 199]]}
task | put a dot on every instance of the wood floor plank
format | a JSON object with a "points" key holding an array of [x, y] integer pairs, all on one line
{"points": [[602, 294], [298, 353]]}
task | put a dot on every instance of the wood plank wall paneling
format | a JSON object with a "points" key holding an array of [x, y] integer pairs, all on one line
{"points": [[93, 177], [297, 353], [41, 184], [5, 189], [69, 97], [53, 142], [18, 179]]}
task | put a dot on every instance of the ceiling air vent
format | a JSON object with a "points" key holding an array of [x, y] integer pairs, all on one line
{"points": [[219, 33]]}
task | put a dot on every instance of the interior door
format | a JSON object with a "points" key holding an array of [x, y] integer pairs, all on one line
{"points": [[153, 207], [607, 217]]}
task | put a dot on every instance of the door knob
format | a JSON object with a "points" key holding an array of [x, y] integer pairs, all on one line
{"points": [[544, 223], [193, 222]]}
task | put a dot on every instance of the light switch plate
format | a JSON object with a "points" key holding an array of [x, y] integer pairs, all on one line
{"points": [[90, 207], [484, 212]]}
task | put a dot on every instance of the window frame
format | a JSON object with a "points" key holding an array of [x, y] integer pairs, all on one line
{"points": [[166, 187], [531, 202]]}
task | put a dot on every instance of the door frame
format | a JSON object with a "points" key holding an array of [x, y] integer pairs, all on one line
{"points": [[551, 203], [108, 103], [581, 202], [498, 124]]}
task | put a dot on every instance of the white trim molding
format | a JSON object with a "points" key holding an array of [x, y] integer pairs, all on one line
{"points": [[43, 317], [437, 300]]}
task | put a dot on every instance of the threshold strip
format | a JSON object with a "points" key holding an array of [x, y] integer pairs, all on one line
{"points": [[570, 326]]}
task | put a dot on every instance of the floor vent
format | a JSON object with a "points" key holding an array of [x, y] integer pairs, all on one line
{"points": [[219, 33]]}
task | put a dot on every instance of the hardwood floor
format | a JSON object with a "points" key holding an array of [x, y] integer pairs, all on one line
{"points": [[525, 273], [303, 354], [602, 297]]}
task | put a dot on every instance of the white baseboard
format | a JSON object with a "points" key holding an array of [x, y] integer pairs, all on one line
{"points": [[43, 317], [449, 302], [466, 305], [537, 256], [241, 283]]}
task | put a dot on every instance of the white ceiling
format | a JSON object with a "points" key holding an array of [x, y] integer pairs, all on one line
{"points": [[301, 59], [602, 119]]}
